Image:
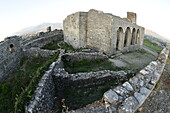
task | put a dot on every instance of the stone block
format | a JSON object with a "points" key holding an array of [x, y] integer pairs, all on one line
{"points": [[144, 91], [128, 86], [122, 91], [111, 96], [141, 98], [129, 105]]}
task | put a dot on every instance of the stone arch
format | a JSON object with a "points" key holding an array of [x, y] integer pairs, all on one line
{"points": [[127, 37], [133, 36], [119, 42], [138, 37]]}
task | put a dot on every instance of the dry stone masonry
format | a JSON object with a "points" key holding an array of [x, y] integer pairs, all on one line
{"points": [[10, 55], [103, 32], [129, 96], [13, 49]]}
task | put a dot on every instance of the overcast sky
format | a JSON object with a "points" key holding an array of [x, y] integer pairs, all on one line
{"points": [[18, 14]]}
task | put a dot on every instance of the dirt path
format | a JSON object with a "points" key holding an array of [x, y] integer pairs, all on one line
{"points": [[159, 100]]}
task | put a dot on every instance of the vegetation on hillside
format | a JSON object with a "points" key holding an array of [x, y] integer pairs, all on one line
{"points": [[151, 38], [17, 90], [152, 46]]}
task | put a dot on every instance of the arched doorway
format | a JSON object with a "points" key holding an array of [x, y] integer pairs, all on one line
{"points": [[133, 36], [119, 42], [127, 37]]}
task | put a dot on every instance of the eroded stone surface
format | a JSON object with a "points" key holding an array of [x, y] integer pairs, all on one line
{"points": [[129, 105], [111, 96]]}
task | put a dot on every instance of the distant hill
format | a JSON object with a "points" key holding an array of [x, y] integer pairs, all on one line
{"points": [[34, 29], [155, 37], [154, 34]]}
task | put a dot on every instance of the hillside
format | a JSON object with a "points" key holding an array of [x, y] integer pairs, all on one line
{"points": [[155, 35], [37, 28]]}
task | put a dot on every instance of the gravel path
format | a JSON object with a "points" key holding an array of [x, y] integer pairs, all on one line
{"points": [[159, 100]]}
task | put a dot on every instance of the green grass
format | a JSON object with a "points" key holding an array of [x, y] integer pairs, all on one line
{"points": [[152, 46], [54, 46], [87, 66], [17, 90]]}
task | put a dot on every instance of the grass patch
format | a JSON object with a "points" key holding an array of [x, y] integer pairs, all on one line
{"points": [[54, 46], [87, 66], [17, 90], [152, 46]]}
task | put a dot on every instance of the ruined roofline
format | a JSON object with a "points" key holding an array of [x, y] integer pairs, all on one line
{"points": [[110, 15]]}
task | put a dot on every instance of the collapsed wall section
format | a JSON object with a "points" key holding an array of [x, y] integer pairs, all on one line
{"points": [[10, 55], [75, 29]]}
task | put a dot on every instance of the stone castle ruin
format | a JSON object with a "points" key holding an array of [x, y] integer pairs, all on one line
{"points": [[96, 30], [103, 31]]}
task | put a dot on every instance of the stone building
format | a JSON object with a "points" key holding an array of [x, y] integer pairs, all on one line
{"points": [[103, 31]]}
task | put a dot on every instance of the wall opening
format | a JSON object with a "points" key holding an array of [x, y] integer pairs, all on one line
{"points": [[127, 37], [11, 47], [138, 37], [133, 36], [119, 42]]}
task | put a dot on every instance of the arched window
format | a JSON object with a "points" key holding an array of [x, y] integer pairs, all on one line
{"points": [[133, 36], [127, 37], [119, 42]]}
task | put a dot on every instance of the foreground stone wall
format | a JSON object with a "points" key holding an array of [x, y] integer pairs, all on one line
{"points": [[128, 97], [44, 39], [10, 55], [43, 99]]}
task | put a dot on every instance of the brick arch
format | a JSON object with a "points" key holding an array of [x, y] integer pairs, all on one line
{"points": [[138, 37], [133, 37], [119, 42], [127, 37]]}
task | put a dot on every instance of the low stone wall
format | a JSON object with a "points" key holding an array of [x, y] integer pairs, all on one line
{"points": [[128, 97], [37, 52], [63, 80], [80, 56], [44, 39], [43, 99]]}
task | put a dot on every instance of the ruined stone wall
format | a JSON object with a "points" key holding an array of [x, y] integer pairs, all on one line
{"points": [[43, 39], [125, 25], [80, 56], [129, 96], [37, 52], [99, 31], [43, 99], [75, 29], [10, 55]]}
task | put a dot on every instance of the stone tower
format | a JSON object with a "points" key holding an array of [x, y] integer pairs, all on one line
{"points": [[132, 17]]}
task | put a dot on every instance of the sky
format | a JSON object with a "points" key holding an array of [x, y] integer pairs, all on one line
{"points": [[18, 14]]}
